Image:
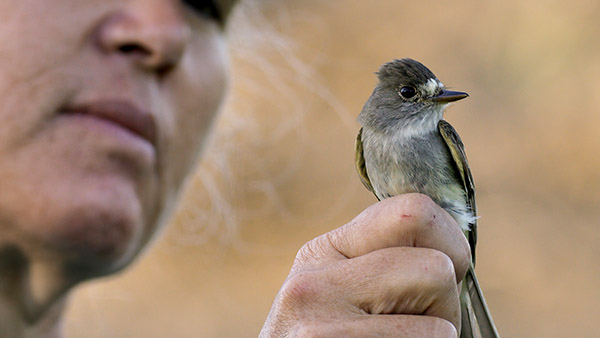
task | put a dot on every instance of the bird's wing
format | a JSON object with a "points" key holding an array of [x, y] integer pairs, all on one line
{"points": [[457, 149], [476, 318], [359, 160]]}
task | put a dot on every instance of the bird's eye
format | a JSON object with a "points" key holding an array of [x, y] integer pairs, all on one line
{"points": [[408, 92]]}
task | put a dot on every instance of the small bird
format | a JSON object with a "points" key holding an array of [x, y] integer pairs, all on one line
{"points": [[405, 146]]}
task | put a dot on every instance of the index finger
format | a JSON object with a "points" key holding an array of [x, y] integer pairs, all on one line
{"points": [[404, 220]]}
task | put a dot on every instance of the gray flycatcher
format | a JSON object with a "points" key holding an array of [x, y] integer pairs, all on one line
{"points": [[404, 146]]}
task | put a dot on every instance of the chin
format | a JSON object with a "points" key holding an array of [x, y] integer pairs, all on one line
{"points": [[100, 231], [99, 241], [86, 203]]}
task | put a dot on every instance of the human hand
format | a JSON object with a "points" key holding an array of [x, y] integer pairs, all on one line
{"points": [[392, 271]]}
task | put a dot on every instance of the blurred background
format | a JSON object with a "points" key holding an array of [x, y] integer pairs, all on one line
{"points": [[280, 170]]}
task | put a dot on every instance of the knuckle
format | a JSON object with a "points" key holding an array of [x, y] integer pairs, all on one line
{"points": [[416, 199], [300, 288], [316, 248], [418, 210], [308, 330], [441, 271], [444, 328], [307, 251]]}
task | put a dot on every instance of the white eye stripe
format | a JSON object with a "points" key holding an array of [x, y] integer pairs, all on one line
{"points": [[432, 86]]}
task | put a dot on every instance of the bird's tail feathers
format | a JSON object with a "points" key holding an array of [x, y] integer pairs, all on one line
{"points": [[477, 321]]}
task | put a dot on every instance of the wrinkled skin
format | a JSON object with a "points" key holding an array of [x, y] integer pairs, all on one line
{"points": [[85, 187], [81, 194], [393, 271]]}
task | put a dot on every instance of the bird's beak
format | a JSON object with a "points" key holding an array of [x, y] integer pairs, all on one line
{"points": [[449, 96]]}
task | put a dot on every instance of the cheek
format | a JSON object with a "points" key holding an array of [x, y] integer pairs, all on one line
{"points": [[40, 55], [197, 99]]}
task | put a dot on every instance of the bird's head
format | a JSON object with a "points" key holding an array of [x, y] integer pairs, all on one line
{"points": [[408, 95]]}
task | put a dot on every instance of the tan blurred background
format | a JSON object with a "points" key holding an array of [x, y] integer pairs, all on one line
{"points": [[280, 168]]}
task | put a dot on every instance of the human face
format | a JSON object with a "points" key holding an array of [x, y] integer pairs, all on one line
{"points": [[105, 106]]}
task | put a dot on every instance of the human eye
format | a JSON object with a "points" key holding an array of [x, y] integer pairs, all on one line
{"points": [[205, 8]]}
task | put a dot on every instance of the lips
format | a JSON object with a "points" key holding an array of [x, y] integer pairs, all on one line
{"points": [[122, 113]]}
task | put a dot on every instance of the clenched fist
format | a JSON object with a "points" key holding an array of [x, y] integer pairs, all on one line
{"points": [[393, 271]]}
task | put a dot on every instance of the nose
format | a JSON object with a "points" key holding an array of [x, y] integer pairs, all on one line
{"points": [[153, 34]]}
